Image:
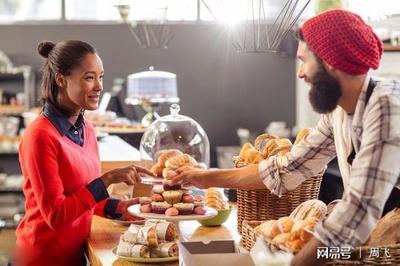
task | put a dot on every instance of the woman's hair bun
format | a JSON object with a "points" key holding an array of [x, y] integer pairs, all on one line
{"points": [[45, 47]]}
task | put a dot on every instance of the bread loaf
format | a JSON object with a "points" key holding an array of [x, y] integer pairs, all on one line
{"points": [[387, 230]]}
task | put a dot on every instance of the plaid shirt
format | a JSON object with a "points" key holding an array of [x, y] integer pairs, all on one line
{"points": [[375, 133]]}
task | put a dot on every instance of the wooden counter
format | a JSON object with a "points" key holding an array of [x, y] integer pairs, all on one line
{"points": [[105, 236]]}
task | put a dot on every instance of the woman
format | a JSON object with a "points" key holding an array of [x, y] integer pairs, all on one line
{"points": [[60, 163]]}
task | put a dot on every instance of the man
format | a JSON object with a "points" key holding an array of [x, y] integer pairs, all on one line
{"points": [[359, 124]]}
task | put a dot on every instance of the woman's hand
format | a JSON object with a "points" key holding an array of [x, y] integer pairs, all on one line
{"points": [[122, 208], [129, 175], [190, 176]]}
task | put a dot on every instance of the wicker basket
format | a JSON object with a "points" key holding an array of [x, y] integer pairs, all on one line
{"points": [[249, 237], [261, 205]]}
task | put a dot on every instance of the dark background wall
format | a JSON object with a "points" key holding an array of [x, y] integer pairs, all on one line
{"points": [[220, 88]]}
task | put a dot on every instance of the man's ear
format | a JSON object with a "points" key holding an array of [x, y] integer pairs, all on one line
{"points": [[61, 80], [330, 69], [328, 66]]}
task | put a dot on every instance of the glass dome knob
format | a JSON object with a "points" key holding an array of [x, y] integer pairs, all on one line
{"points": [[174, 109]]}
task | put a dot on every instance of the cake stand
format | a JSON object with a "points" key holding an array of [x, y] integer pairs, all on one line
{"points": [[135, 210]]}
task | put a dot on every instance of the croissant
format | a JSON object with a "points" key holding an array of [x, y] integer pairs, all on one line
{"points": [[244, 150], [302, 135], [263, 139], [285, 142], [281, 150], [269, 229], [281, 239], [253, 156], [215, 199], [179, 161], [269, 147], [296, 244], [168, 173], [285, 223], [157, 169], [166, 154]]}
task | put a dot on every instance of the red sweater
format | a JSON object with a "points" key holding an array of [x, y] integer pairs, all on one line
{"points": [[59, 208]]}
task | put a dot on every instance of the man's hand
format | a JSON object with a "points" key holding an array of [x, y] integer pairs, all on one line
{"points": [[122, 208], [190, 176]]}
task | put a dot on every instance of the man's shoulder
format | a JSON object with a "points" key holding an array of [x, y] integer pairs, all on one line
{"points": [[386, 88]]}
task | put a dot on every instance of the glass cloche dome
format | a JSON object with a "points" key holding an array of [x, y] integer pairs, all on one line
{"points": [[175, 131]]}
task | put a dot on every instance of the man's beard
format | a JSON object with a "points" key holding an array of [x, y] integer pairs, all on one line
{"points": [[325, 92]]}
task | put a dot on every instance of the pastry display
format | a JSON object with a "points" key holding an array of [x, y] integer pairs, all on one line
{"points": [[172, 212], [160, 207], [165, 230], [164, 250], [170, 160], [184, 208], [156, 239], [172, 196], [215, 199], [145, 235], [163, 156], [266, 145], [292, 232], [127, 249], [173, 200]]}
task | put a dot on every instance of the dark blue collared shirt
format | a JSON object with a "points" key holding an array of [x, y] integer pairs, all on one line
{"points": [[63, 125], [75, 133]]}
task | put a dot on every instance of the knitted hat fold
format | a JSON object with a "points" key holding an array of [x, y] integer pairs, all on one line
{"points": [[344, 41]]}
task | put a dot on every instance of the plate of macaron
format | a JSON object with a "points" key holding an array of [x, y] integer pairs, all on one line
{"points": [[173, 203]]}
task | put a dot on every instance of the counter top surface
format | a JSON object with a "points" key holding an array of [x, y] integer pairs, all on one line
{"points": [[105, 236], [113, 148]]}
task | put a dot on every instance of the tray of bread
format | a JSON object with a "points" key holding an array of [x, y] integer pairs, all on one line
{"points": [[266, 145], [288, 233], [153, 242]]}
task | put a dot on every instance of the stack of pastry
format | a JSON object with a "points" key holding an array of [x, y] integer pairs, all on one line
{"points": [[170, 160], [215, 199], [154, 239], [292, 232], [170, 199], [173, 200], [266, 145]]}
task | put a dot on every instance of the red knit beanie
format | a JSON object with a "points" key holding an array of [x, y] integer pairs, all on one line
{"points": [[344, 41]]}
